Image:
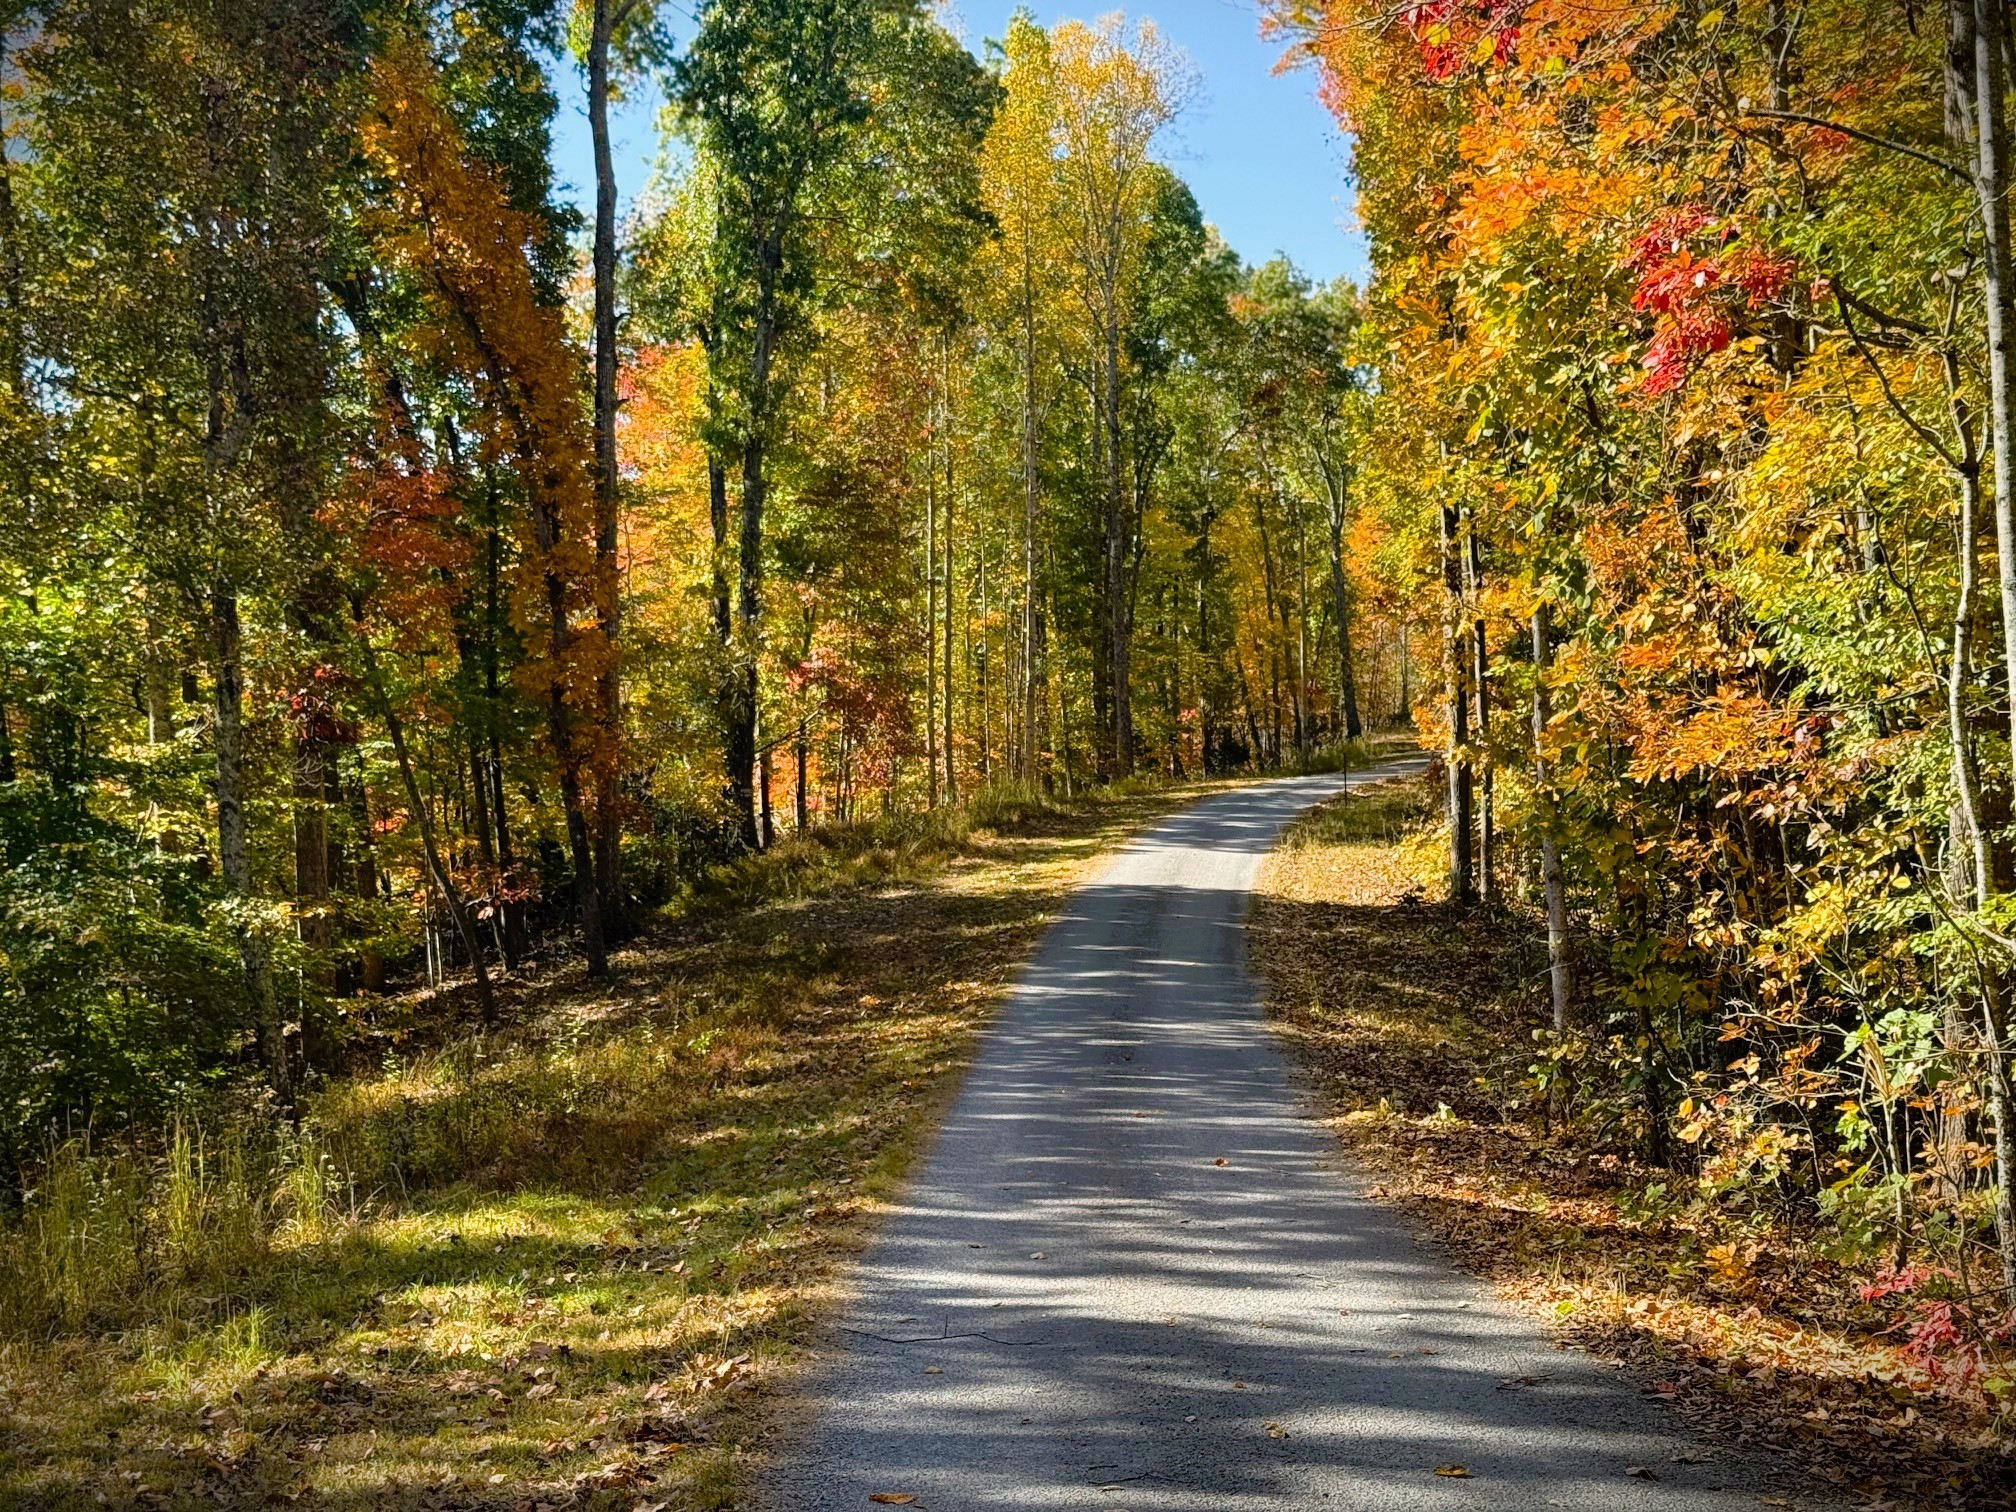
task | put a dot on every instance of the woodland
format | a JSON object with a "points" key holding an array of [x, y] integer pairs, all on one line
{"points": [[402, 577], [410, 584]]}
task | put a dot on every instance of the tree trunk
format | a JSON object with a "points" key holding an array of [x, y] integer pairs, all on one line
{"points": [[951, 773], [1986, 22], [931, 639], [1473, 566], [316, 864], [233, 857], [763, 789], [981, 692], [1462, 880], [744, 685], [560, 730], [1405, 711], [13, 342], [743, 689], [1550, 851], [1031, 675], [1347, 681], [608, 585], [1118, 627], [802, 808]]}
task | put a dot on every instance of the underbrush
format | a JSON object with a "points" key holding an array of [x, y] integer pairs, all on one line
{"points": [[544, 1264], [1785, 1320]]}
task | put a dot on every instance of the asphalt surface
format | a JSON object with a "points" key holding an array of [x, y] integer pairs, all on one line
{"points": [[1133, 1274]]}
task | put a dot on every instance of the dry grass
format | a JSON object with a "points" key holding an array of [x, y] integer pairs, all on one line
{"points": [[555, 1267], [1416, 1021]]}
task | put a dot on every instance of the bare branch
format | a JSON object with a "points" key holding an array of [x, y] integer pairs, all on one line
{"points": [[1918, 427], [1861, 136]]}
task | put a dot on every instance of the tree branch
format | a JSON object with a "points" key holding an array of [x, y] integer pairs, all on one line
{"points": [[1923, 433], [1861, 136]]}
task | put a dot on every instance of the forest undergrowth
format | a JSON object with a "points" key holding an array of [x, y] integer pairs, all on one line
{"points": [[1756, 1316], [550, 1266]]}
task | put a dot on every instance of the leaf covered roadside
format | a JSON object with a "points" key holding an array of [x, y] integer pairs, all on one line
{"points": [[1744, 1310], [560, 1265]]}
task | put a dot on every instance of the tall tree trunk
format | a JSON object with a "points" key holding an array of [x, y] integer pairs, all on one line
{"points": [[370, 960], [1462, 876], [744, 692], [802, 808], [479, 785], [1340, 594], [1405, 710], [1473, 572], [981, 691], [931, 638], [763, 795], [1980, 71], [316, 863], [233, 857], [951, 773], [513, 907], [608, 584], [1302, 735], [1031, 666], [1550, 851], [567, 756], [1207, 707], [745, 685], [1119, 627]]}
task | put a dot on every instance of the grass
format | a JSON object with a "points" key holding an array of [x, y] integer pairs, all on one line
{"points": [[560, 1265], [1416, 1020]]}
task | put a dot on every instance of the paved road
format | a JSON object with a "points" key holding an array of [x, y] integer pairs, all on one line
{"points": [[1132, 1274]]}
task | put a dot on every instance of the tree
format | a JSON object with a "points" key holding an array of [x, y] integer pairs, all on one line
{"points": [[1020, 172], [456, 232], [777, 96], [622, 35], [1115, 92]]}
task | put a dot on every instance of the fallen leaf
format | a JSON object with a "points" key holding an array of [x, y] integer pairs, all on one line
{"points": [[1219, 1161], [1276, 1431], [1454, 1472], [934, 1370], [892, 1498]]}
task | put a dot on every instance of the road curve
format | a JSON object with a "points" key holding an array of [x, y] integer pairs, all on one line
{"points": [[1132, 1274]]}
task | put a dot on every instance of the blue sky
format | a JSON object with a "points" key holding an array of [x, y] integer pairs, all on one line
{"points": [[1264, 159]]}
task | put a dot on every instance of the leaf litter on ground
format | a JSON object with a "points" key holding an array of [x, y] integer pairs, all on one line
{"points": [[1415, 1019]]}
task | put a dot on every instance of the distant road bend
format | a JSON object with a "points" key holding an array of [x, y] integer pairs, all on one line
{"points": [[1133, 1275]]}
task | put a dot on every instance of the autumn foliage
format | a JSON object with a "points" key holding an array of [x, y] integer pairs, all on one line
{"points": [[1684, 425]]}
